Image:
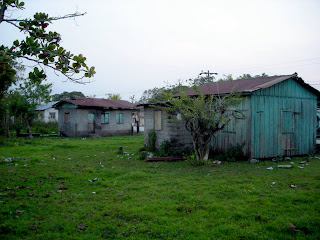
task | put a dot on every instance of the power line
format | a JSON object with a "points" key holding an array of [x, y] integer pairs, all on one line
{"points": [[276, 64]]}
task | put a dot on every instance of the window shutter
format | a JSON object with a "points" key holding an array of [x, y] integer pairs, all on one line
{"points": [[157, 120]]}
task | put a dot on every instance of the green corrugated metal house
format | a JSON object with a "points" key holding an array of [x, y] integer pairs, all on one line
{"points": [[280, 117]]}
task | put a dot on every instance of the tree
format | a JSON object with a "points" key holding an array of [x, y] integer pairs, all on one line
{"points": [[12, 73], [66, 95], [247, 75], [113, 96], [40, 47], [7, 72], [23, 101], [157, 94], [226, 77], [132, 99], [203, 116]]}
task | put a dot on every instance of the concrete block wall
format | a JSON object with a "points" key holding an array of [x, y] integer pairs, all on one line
{"points": [[174, 132], [78, 126]]}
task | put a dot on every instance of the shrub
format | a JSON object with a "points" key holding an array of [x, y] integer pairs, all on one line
{"points": [[233, 154], [45, 128], [152, 138], [165, 148]]}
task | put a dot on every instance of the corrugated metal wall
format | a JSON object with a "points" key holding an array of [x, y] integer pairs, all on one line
{"points": [[283, 120]]}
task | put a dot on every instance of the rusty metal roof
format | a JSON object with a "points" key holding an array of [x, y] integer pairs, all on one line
{"points": [[98, 103], [242, 85]]}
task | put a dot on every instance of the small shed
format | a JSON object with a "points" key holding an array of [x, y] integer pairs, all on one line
{"points": [[87, 117], [280, 118], [47, 113]]}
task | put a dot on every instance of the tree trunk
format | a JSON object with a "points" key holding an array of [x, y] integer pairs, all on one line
{"points": [[7, 122], [29, 129], [207, 151], [2, 11], [196, 150]]}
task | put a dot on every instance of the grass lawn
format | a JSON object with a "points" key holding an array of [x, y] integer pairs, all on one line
{"points": [[45, 194]]}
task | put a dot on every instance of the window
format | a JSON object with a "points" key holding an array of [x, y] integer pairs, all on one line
{"points": [[91, 117], [119, 118], [104, 117], [66, 117], [157, 121], [52, 115]]}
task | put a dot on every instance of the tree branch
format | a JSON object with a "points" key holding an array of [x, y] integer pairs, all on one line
{"points": [[2, 11], [68, 76], [73, 15]]}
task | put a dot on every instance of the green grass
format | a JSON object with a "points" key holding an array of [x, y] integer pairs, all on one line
{"points": [[48, 195]]}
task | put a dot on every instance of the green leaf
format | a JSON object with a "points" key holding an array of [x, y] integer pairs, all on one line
{"points": [[36, 70], [16, 43]]}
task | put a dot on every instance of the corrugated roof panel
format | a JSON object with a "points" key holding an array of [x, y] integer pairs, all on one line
{"points": [[99, 102], [45, 106], [241, 85]]}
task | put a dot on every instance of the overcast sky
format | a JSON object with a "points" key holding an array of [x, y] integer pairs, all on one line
{"points": [[141, 44]]}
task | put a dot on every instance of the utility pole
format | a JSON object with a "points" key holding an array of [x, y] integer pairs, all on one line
{"points": [[208, 74]]}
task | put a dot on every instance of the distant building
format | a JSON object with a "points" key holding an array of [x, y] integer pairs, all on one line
{"points": [[280, 118], [47, 113], [85, 117]]}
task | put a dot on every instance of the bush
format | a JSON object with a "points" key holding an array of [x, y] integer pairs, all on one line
{"points": [[45, 128], [152, 138], [233, 154], [165, 148]]}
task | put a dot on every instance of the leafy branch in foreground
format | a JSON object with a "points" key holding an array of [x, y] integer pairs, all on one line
{"points": [[42, 47]]}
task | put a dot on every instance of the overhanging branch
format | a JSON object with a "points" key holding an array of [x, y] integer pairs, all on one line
{"points": [[73, 15]]}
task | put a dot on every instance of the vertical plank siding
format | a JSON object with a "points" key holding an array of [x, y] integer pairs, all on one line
{"points": [[274, 132], [223, 140]]}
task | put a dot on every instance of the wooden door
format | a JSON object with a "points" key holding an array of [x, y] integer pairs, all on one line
{"points": [[91, 122]]}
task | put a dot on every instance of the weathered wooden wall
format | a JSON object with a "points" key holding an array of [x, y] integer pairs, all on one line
{"points": [[283, 120], [237, 132]]}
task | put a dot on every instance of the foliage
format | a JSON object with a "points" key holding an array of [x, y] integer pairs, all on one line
{"points": [[227, 77], [40, 47], [203, 116], [246, 76], [45, 194], [152, 138], [7, 72], [114, 96], [23, 101], [66, 95], [165, 148], [200, 80], [233, 154], [45, 128], [156, 94]]}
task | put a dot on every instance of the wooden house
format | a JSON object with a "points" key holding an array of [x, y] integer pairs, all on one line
{"points": [[85, 117], [280, 118]]}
